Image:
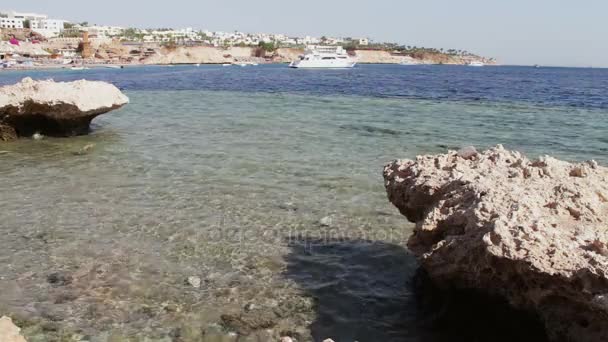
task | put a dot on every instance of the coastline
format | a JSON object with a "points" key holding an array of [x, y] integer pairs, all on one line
{"points": [[117, 55], [124, 66]]}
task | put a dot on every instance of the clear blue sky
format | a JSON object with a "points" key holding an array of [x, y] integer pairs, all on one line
{"points": [[547, 32]]}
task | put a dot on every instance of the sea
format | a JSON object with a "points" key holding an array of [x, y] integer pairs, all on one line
{"points": [[247, 203]]}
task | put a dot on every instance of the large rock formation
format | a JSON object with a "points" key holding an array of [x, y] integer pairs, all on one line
{"points": [[532, 232], [54, 108], [9, 332], [20, 34], [200, 54]]}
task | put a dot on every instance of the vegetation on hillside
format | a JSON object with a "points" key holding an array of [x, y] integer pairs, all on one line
{"points": [[268, 47], [413, 51], [132, 34]]}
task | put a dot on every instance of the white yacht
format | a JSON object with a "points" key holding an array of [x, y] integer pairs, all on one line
{"points": [[476, 64], [332, 57]]}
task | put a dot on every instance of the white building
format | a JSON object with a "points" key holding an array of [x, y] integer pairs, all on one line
{"points": [[105, 31], [37, 22], [11, 23], [308, 40], [26, 16], [48, 27], [334, 41], [68, 52], [363, 41]]}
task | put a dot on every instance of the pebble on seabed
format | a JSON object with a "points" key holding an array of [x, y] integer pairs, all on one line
{"points": [[195, 282], [86, 149], [326, 221]]}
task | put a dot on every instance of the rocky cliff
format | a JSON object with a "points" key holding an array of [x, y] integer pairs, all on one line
{"points": [[386, 57], [200, 54], [54, 108], [286, 55], [20, 34], [530, 231], [213, 55]]}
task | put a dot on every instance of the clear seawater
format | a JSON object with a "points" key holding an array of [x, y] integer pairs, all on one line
{"points": [[264, 182]]}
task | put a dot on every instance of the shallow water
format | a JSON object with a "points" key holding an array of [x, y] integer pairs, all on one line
{"points": [[265, 183]]}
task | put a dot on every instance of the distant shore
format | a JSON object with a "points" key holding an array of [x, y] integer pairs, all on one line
{"points": [[118, 54]]}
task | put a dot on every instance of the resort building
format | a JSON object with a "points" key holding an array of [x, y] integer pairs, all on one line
{"points": [[11, 23], [25, 16], [48, 27], [104, 31], [37, 22]]}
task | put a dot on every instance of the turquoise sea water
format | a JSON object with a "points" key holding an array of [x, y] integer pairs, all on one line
{"points": [[266, 184]]}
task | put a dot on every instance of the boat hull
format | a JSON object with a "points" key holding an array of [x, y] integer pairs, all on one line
{"points": [[322, 65]]}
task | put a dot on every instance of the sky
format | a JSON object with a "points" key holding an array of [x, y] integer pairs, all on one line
{"points": [[521, 32]]}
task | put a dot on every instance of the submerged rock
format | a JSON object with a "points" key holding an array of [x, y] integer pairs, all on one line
{"points": [[250, 321], [84, 150], [54, 108], [9, 332], [59, 278], [531, 232], [326, 221], [194, 281]]}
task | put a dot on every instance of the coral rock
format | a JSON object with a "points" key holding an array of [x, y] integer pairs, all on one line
{"points": [[532, 232], [9, 332], [55, 108]]}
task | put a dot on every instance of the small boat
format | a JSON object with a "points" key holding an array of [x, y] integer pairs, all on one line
{"points": [[476, 64], [324, 57], [227, 64], [198, 65], [112, 66]]}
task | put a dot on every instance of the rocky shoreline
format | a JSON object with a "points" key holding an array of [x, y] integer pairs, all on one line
{"points": [[531, 232]]}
